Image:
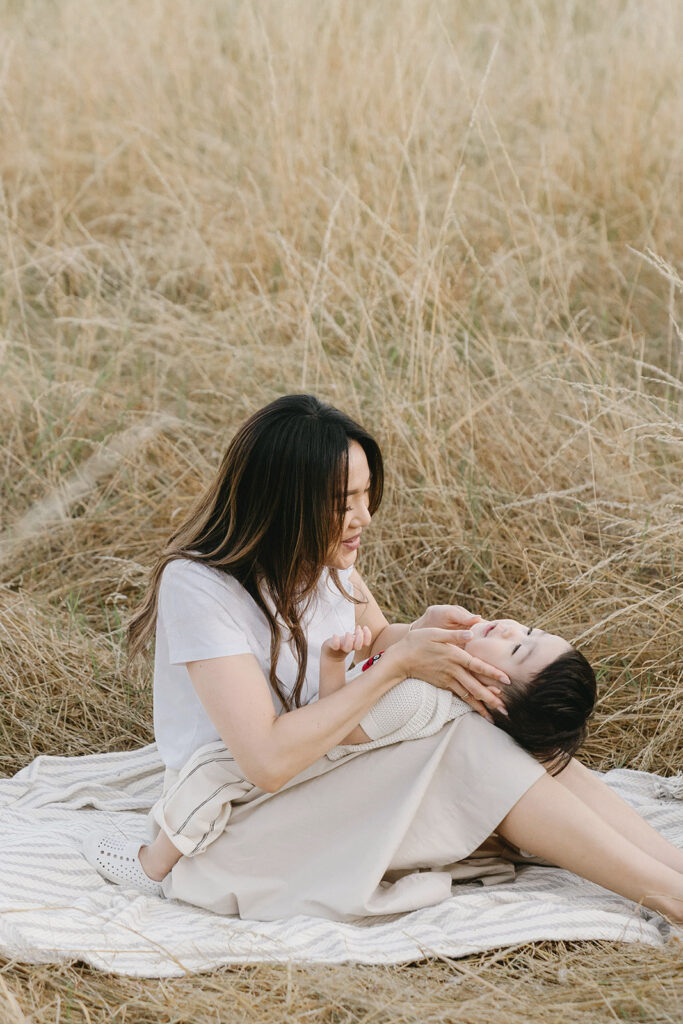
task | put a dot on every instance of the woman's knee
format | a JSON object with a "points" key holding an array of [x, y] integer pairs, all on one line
{"points": [[573, 770]]}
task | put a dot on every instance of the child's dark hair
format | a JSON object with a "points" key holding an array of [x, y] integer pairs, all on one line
{"points": [[548, 715]]}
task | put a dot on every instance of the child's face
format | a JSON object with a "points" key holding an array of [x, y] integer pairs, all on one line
{"points": [[520, 651]]}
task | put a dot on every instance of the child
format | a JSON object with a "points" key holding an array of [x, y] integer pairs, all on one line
{"points": [[546, 707], [549, 699]]}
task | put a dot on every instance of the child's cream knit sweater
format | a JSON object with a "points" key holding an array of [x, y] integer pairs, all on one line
{"points": [[410, 710]]}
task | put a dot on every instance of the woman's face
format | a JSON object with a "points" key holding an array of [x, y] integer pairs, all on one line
{"points": [[357, 516], [519, 651]]}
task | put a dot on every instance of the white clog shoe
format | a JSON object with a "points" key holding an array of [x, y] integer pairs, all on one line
{"points": [[116, 859]]}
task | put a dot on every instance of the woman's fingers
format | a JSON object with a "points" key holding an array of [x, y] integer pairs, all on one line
{"points": [[477, 667], [457, 637], [473, 664], [461, 617], [481, 680], [449, 616], [478, 691], [476, 705], [460, 636]]}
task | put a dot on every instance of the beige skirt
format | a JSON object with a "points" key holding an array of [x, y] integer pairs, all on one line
{"points": [[383, 831]]}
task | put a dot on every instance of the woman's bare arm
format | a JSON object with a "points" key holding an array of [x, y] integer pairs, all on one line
{"points": [[272, 749], [369, 614], [385, 633], [269, 749]]}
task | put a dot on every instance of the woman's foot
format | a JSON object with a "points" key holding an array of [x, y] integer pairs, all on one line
{"points": [[117, 859], [670, 908]]}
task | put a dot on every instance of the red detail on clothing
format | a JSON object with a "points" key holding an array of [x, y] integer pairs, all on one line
{"points": [[372, 660]]}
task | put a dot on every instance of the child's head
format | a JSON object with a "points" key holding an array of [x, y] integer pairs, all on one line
{"points": [[552, 690]]}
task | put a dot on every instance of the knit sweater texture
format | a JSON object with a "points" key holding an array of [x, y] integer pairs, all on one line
{"points": [[410, 710]]}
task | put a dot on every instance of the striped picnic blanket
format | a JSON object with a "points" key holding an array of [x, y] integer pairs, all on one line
{"points": [[55, 907]]}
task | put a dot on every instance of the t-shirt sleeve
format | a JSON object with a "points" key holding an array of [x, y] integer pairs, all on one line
{"points": [[201, 617]]}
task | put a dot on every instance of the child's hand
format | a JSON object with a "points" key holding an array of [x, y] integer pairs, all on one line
{"points": [[339, 646]]}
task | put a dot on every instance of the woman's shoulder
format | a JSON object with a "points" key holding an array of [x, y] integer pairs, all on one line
{"points": [[180, 566], [188, 568], [182, 573], [190, 591]]}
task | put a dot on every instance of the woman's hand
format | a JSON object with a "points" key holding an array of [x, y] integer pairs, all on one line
{"points": [[434, 655], [446, 616]]}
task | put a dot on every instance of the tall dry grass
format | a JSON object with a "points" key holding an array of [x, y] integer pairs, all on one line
{"points": [[459, 222]]}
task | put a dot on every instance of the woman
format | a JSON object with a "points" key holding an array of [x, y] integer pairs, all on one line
{"points": [[249, 587]]}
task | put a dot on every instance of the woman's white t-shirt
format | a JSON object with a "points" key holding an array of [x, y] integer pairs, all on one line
{"points": [[204, 613]]}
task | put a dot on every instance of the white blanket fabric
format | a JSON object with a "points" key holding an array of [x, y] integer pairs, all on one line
{"points": [[55, 907]]}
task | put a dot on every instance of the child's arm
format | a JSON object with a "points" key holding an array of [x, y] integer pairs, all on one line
{"points": [[333, 656]]}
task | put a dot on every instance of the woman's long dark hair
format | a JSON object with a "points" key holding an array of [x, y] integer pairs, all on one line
{"points": [[270, 518]]}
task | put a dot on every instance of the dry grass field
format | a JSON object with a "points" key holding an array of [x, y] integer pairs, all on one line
{"points": [[461, 222]]}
